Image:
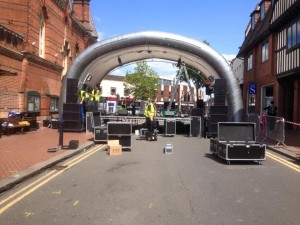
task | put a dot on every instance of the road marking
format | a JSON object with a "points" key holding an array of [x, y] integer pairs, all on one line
{"points": [[47, 175], [284, 162], [40, 182]]}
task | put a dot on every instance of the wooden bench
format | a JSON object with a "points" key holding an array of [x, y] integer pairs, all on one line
{"points": [[12, 125]]}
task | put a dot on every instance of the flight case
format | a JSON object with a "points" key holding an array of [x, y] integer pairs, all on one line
{"points": [[236, 141]]}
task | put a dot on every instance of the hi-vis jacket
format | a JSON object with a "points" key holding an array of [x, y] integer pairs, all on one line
{"points": [[149, 111], [83, 95], [95, 95]]}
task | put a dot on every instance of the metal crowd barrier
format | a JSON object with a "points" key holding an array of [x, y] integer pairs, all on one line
{"points": [[275, 129], [269, 127]]}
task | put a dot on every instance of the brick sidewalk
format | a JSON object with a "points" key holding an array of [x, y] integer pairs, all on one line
{"points": [[21, 151]]}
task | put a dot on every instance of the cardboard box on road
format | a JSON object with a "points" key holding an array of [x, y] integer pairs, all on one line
{"points": [[114, 148]]}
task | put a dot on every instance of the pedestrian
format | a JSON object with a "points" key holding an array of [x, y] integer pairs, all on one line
{"points": [[271, 114], [149, 113], [271, 109]]}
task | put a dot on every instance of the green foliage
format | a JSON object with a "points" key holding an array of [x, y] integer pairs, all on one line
{"points": [[143, 83]]}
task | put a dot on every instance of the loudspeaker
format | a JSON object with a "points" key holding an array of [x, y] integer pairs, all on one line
{"points": [[170, 127], [100, 133], [71, 115], [89, 122], [96, 119], [72, 126], [71, 107], [71, 98], [200, 104], [218, 109], [215, 118], [220, 90], [219, 99], [220, 82], [72, 86], [119, 128], [196, 112], [125, 141], [195, 128], [123, 112], [73, 144]]}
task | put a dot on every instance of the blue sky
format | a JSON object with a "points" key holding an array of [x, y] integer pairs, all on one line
{"points": [[220, 22]]}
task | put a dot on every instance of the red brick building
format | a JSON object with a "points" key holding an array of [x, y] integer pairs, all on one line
{"points": [[38, 42], [271, 59]]}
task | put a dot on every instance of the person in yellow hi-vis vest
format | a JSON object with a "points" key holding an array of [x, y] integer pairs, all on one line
{"points": [[83, 96], [149, 113], [95, 96]]}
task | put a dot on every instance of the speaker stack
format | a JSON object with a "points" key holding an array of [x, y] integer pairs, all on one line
{"points": [[121, 131], [72, 90], [71, 117], [220, 92], [219, 111]]}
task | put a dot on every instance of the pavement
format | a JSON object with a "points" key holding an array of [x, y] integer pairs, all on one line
{"points": [[25, 155]]}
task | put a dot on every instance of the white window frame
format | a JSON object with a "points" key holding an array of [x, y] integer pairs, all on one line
{"points": [[265, 51], [42, 36], [250, 62]]}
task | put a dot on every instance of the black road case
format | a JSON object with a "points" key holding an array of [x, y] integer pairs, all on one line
{"points": [[100, 134], [236, 141]]}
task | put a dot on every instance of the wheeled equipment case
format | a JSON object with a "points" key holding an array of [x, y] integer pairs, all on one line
{"points": [[236, 141]]}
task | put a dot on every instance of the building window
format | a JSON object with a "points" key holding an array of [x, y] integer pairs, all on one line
{"points": [[249, 62], [265, 51], [42, 36], [54, 103], [262, 10], [33, 101], [113, 91], [293, 35], [252, 22], [126, 92]]}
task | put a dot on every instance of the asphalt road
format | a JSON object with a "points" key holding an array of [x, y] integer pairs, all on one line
{"points": [[146, 186]]}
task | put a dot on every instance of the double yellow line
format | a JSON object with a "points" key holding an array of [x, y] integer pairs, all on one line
{"points": [[284, 162], [19, 195]]}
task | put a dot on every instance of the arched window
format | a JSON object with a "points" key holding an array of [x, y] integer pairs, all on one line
{"points": [[42, 36]]}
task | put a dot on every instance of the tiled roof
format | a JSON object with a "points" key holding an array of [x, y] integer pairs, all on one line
{"points": [[260, 32]]}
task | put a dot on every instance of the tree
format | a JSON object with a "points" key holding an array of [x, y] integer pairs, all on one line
{"points": [[143, 83]]}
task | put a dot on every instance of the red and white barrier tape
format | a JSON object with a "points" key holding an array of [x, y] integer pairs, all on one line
{"points": [[297, 124]]}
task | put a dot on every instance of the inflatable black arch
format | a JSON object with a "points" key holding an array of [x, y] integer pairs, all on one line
{"points": [[95, 62]]}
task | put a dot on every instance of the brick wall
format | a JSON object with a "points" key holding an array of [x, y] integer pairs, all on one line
{"points": [[64, 39]]}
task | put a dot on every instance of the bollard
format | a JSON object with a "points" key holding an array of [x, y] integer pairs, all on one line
{"points": [[61, 135]]}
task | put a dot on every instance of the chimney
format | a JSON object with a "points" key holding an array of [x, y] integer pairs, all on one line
{"points": [[81, 10]]}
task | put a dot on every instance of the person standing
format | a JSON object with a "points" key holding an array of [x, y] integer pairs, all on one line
{"points": [[271, 109], [149, 113], [271, 113], [95, 96], [83, 96]]}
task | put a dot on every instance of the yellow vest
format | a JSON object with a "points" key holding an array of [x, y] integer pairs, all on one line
{"points": [[95, 95], [149, 110]]}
